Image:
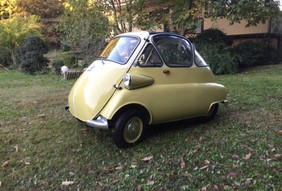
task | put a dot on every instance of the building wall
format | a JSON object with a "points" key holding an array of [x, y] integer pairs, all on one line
{"points": [[236, 28]]}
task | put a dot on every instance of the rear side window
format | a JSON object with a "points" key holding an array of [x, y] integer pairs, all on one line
{"points": [[175, 51], [199, 61]]}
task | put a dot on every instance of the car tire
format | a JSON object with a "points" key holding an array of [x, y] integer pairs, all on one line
{"points": [[129, 128], [212, 112]]}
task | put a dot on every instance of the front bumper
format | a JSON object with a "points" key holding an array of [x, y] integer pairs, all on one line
{"points": [[99, 123]]}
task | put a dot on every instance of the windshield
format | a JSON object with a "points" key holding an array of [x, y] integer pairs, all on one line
{"points": [[120, 49]]}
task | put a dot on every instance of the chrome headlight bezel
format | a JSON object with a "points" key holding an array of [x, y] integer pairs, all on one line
{"points": [[127, 80]]}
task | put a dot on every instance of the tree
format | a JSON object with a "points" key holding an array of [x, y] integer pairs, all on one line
{"points": [[176, 15], [49, 12], [121, 13], [253, 12], [14, 30], [181, 16], [84, 26]]}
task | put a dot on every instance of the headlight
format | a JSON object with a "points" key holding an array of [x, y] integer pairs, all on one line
{"points": [[127, 80]]}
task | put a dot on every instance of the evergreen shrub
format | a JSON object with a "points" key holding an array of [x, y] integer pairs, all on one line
{"points": [[214, 46], [5, 57], [251, 53], [31, 55], [57, 64]]}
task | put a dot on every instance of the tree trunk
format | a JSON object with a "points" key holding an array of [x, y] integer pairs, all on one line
{"points": [[14, 60]]}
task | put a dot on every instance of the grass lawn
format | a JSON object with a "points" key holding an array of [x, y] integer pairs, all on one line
{"points": [[43, 148]]}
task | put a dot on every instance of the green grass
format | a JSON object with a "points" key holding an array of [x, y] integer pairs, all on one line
{"points": [[41, 145]]}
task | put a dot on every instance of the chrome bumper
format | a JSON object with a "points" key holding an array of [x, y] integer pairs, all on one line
{"points": [[99, 123]]}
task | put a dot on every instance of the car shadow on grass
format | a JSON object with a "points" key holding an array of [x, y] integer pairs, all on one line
{"points": [[156, 130]]}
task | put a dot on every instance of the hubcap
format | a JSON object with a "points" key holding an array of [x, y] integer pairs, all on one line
{"points": [[133, 129]]}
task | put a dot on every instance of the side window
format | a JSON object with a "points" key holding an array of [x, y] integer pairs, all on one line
{"points": [[175, 51], [199, 60], [150, 58]]}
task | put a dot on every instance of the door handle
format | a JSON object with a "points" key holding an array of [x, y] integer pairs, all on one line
{"points": [[166, 71]]}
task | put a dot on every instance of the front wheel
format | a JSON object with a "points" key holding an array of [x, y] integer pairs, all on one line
{"points": [[129, 128]]}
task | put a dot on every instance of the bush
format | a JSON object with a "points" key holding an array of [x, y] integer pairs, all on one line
{"points": [[214, 45], [220, 61], [57, 64], [5, 57], [31, 55], [70, 58], [251, 53], [213, 36]]}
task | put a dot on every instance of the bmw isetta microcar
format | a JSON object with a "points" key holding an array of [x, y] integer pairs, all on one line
{"points": [[144, 78]]}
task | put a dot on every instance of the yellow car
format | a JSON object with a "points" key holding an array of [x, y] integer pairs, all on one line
{"points": [[144, 78]]}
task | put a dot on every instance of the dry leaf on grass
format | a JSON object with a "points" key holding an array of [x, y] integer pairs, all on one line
{"points": [[146, 159], [204, 167], [248, 156], [182, 162], [5, 164], [119, 168], [67, 183]]}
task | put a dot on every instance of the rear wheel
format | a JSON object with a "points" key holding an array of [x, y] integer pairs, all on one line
{"points": [[129, 128], [212, 112]]}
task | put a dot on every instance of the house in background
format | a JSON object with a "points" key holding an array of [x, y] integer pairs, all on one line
{"points": [[269, 32]]}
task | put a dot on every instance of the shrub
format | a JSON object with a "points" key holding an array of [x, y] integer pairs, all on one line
{"points": [[57, 64], [5, 57], [31, 55], [214, 45], [70, 58], [251, 53], [213, 36], [220, 61]]}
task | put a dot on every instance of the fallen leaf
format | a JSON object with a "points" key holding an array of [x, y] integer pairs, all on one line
{"points": [[204, 167], [280, 132], [151, 182], [215, 187], [232, 174], [248, 181], [146, 159], [133, 166], [67, 183], [235, 156], [201, 138], [115, 181], [182, 162], [186, 174], [204, 189], [277, 156], [235, 166], [119, 168], [139, 187], [207, 162], [16, 147], [248, 156], [41, 115], [5, 164]]}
